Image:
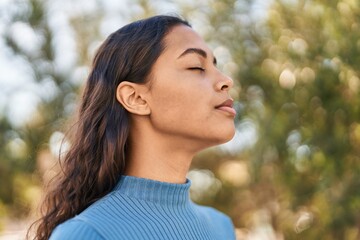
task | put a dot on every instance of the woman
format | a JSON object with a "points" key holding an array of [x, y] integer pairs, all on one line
{"points": [[153, 99]]}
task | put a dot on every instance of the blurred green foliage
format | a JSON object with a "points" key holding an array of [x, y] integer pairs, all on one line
{"points": [[296, 67]]}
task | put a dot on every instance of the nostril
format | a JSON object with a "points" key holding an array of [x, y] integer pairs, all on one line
{"points": [[224, 87]]}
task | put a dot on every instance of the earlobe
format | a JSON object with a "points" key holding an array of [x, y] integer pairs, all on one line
{"points": [[129, 96]]}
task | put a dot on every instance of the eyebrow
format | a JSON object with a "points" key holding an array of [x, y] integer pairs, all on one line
{"points": [[198, 51]]}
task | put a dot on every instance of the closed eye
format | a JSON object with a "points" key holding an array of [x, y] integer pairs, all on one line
{"points": [[197, 68]]}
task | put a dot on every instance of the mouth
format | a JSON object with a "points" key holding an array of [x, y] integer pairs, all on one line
{"points": [[227, 107]]}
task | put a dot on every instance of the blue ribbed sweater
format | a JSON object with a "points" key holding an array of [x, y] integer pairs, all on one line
{"points": [[140, 208]]}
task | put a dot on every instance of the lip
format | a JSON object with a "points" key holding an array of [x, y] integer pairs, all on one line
{"points": [[227, 106]]}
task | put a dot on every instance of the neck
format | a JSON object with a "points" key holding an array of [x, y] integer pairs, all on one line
{"points": [[158, 158]]}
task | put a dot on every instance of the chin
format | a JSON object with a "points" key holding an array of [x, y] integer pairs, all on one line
{"points": [[228, 137], [225, 135], [213, 136]]}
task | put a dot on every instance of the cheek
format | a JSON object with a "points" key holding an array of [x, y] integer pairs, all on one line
{"points": [[176, 92], [187, 109], [190, 113], [180, 104], [176, 102]]}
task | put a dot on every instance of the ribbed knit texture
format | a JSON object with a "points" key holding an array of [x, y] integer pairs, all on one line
{"points": [[140, 208]]}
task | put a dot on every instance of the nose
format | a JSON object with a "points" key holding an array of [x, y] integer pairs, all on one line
{"points": [[224, 83]]}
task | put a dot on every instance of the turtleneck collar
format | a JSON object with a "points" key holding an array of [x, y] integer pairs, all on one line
{"points": [[155, 191]]}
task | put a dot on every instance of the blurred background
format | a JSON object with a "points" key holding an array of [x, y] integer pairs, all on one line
{"points": [[292, 170]]}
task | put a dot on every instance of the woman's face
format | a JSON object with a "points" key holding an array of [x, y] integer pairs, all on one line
{"points": [[189, 97]]}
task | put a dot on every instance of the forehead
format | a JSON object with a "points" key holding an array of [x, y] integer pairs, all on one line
{"points": [[182, 37]]}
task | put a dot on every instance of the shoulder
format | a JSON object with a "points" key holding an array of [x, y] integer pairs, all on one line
{"points": [[75, 229], [212, 213], [218, 220], [95, 222]]}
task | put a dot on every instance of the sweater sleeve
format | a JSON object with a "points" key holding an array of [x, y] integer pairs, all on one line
{"points": [[75, 229]]}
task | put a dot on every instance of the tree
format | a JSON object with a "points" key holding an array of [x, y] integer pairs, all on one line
{"points": [[298, 72], [302, 90], [57, 91]]}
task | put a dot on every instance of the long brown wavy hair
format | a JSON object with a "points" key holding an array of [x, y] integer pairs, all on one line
{"points": [[96, 158]]}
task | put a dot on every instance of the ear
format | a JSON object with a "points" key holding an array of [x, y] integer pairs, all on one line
{"points": [[130, 96]]}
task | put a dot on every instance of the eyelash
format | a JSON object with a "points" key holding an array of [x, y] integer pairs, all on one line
{"points": [[197, 68]]}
